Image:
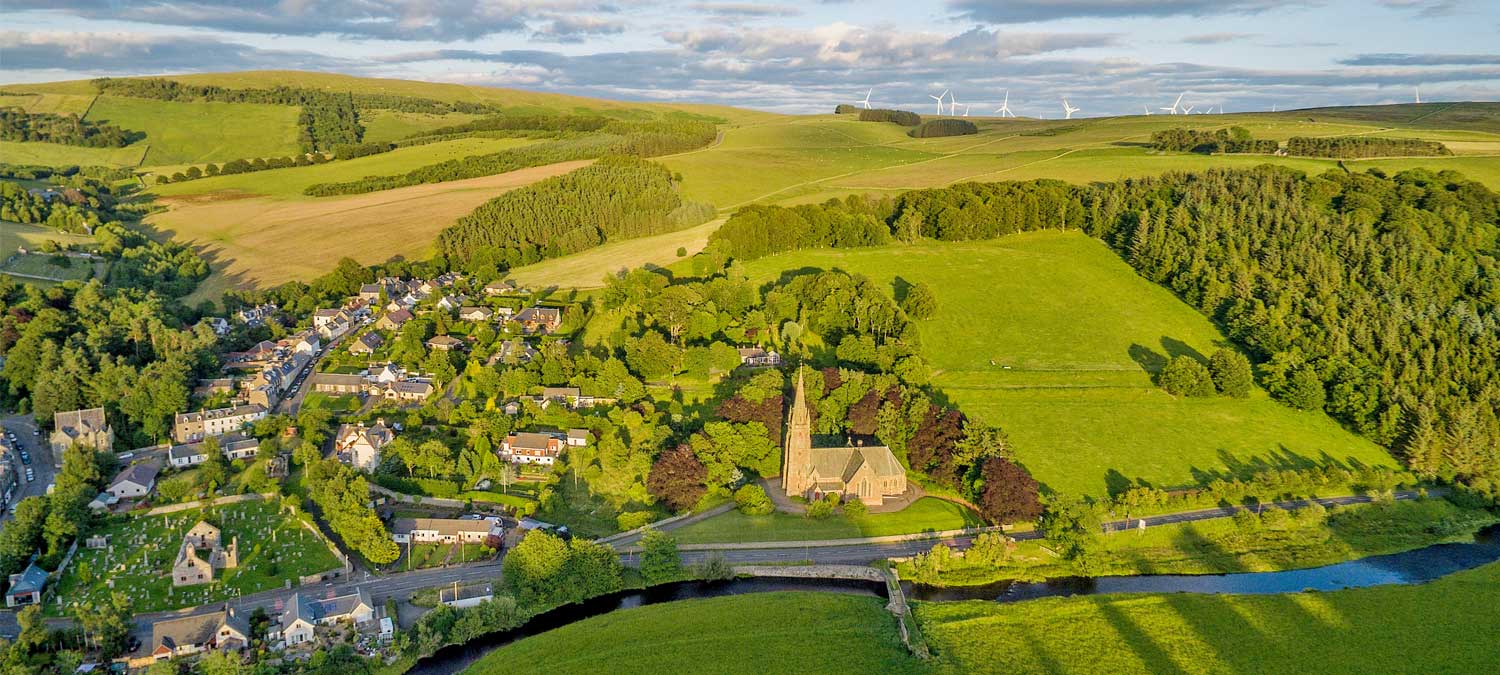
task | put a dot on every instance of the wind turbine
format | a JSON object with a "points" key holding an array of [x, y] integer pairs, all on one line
{"points": [[939, 99], [1187, 110], [953, 104], [1418, 91], [1173, 110], [1148, 110], [1004, 108], [866, 102], [1068, 110]]}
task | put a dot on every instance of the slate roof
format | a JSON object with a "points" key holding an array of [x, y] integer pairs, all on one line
{"points": [[30, 580], [143, 473]]}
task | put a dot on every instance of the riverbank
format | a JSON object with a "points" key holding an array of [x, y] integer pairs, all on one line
{"points": [[1276, 540], [1448, 625]]}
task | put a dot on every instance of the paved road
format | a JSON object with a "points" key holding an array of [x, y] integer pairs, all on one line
{"points": [[846, 551], [291, 404], [24, 427]]}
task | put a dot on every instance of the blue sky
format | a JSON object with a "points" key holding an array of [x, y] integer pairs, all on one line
{"points": [[1105, 56]]}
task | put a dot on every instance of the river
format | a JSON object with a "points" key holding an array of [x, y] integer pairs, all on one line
{"points": [[1411, 567]]}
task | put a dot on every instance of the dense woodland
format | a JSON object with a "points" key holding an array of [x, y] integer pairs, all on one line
{"points": [[902, 117], [1360, 147], [1231, 140], [1372, 297], [171, 90], [18, 125], [642, 139], [618, 197], [943, 127]]}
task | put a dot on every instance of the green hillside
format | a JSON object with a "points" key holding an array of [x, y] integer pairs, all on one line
{"points": [[1053, 337]]}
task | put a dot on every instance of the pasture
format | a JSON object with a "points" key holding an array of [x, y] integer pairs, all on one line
{"points": [[274, 547], [1054, 338], [1363, 630], [588, 268], [198, 132], [818, 632]]}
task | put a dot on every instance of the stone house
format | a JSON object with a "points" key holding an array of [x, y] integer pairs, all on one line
{"points": [[359, 446], [88, 428]]}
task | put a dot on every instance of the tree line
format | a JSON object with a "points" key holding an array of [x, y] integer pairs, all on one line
{"points": [[617, 197], [235, 166], [1360, 147], [943, 127], [642, 139], [1231, 140], [1375, 298], [904, 118], [25, 127]]}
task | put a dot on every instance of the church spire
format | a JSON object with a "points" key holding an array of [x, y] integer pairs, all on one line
{"points": [[797, 458]]}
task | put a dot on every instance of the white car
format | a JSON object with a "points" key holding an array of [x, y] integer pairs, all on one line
{"points": [[30, 475]]}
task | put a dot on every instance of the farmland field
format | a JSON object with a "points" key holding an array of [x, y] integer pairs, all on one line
{"points": [[273, 547], [587, 269], [1054, 338], [18, 234], [819, 632], [187, 133], [1367, 630], [56, 154], [259, 241]]}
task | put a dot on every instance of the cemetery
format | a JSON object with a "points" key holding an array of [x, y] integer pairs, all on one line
{"points": [[274, 551]]}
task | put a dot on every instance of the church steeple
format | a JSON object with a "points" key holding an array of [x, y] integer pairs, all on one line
{"points": [[797, 459]]}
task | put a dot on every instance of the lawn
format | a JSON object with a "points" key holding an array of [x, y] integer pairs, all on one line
{"points": [[13, 235], [274, 548], [1445, 626], [197, 132], [43, 265], [925, 515], [751, 634], [1054, 338], [346, 403], [1220, 546]]}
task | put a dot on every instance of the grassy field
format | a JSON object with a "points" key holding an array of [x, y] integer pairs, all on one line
{"points": [[41, 265], [750, 634], [18, 234], [54, 154], [273, 548], [1053, 337], [925, 515], [186, 133], [382, 126], [1220, 546], [587, 269], [288, 183], [261, 241], [1445, 626]]}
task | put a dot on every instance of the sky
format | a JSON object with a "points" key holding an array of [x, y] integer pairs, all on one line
{"points": [[1107, 57]]}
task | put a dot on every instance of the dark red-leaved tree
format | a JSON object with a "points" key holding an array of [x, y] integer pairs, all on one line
{"points": [[768, 412], [862, 414], [678, 478], [1010, 493], [931, 448]]}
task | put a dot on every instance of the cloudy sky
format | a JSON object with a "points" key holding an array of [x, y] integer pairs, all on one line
{"points": [[1105, 56]]}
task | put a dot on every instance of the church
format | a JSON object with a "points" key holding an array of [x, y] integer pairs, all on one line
{"points": [[870, 473]]}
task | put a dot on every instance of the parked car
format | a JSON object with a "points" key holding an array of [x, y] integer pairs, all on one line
{"points": [[25, 457], [30, 475]]}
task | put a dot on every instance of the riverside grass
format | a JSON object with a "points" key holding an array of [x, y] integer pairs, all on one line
{"points": [[1448, 625], [749, 634], [928, 514], [1054, 338]]}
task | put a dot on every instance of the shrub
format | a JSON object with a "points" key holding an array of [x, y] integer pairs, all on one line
{"points": [[819, 509], [845, 109], [1186, 376], [752, 500], [633, 519], [920, 302], [855, 507]]}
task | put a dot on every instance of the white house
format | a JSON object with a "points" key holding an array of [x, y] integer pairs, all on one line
{"points": [[136, 481]]}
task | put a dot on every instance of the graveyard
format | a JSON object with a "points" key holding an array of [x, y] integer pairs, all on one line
{"points": [[274, 550]]}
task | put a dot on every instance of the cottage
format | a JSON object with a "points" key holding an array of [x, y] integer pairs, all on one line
{"points": [[368, 343], [465, 596], [135, 481], [578, 438], [513, 352], [103, 501], [337, 383], [505, 287], [186, 455], [394, 320], [388, 373], [532, 448], [406, 390], [474, 313], [255, 316], [218, 324], [444, 530], [303, 614], [225, 629], [755, 357], [564, 395], [450, 302], [370, 293], [26, 586], [446, 343], [87, 428], [544, 320], [359, 446], [305, 342]]}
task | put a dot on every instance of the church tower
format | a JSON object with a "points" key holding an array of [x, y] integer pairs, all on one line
{"points": [[796, 461]]}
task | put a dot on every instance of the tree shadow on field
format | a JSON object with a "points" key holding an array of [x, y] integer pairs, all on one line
{"points": [[1147, 358], [1176, 348], [899, 288]]}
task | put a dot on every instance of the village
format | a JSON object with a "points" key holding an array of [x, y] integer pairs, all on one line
{"points": [[203, 519]]}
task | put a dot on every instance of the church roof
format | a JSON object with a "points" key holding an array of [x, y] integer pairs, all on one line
{"points": [[843, 463]]}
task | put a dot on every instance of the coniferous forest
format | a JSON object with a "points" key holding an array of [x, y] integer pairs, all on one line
{"points": [[1375, 298]]}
